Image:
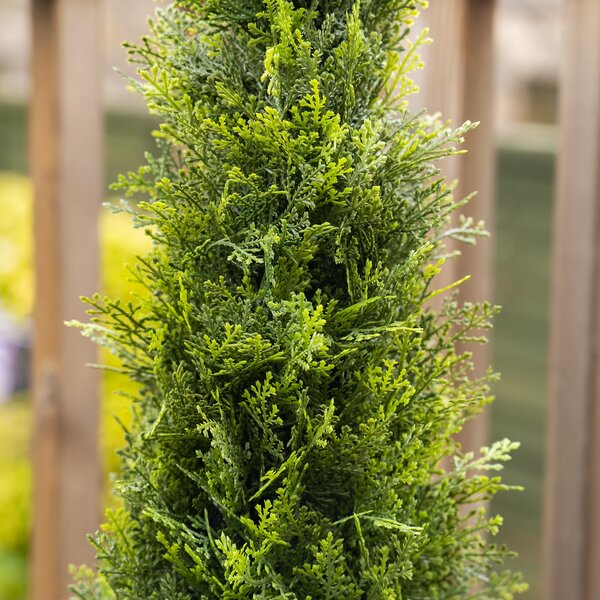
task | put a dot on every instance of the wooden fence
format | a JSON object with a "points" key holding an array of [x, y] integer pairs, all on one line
{"points": [[572, 516], [67, 168]]}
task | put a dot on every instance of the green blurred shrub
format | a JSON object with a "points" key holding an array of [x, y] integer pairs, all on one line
{"points": [[15, 491], [120, 242], [16, 248]]}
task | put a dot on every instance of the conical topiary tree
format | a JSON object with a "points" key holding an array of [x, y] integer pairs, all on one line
{"points": [[298, 389]]}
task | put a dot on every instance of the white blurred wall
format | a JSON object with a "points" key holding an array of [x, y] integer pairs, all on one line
{"points": [[528, 48], [14, 49], [123, 20]]}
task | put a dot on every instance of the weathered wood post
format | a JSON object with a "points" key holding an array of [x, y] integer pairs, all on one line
{"points": [[572, 511], [460, 84], [66, 163], [477, 173]]}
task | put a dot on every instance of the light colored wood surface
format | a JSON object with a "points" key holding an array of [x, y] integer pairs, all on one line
{"points": [[477, 173], [442, 89], [66, 163], [572, 512], [459, 83]]}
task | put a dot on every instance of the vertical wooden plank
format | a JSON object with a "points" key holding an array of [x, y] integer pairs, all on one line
{"points": [[66, 166], [572, 510], [43, 126], [442, 89], [477, 173], [460, 84]]}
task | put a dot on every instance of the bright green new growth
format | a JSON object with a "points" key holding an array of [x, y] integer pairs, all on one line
{"points": [[298, 389]]}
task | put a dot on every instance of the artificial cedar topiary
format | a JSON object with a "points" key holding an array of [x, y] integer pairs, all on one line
{"points": [[298, 389]]}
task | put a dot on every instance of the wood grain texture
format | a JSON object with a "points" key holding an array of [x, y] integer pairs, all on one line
{"points": [[66, 164], [459, 83], [477, 174], [572, 530]]}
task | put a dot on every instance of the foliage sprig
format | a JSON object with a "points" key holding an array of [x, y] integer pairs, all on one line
{"points": [[299, 390]]}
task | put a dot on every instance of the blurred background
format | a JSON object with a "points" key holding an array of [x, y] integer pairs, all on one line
{"points": [[528, 56]]}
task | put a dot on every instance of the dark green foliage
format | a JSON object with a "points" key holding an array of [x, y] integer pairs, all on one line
{"points": [[298, 387]]}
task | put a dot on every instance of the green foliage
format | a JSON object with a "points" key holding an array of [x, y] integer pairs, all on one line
{"points": [[298, 388], [16, 248], [15, 487], [15, 491]]}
